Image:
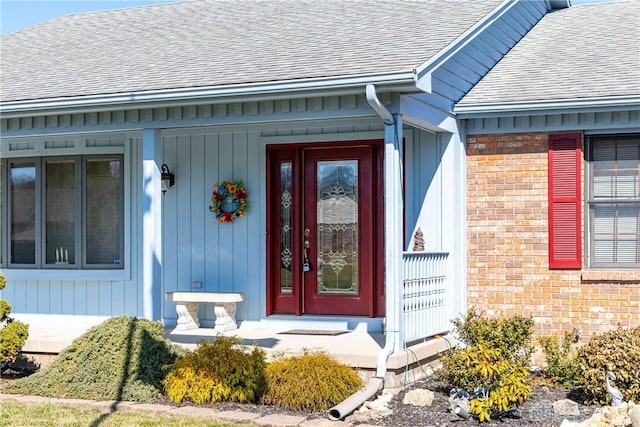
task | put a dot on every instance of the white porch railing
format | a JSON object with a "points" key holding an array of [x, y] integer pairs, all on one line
{"points": [[425, 294]]}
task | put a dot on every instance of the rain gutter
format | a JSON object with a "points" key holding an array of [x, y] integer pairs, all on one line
{"points": [[326, 86], [585, 105]]}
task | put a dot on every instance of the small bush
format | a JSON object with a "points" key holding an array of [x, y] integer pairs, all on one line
{"points": [[217, 371], [13, 334], [309, 382], [498, 383], [562, 361], [120, 359], [617, 351], [512, 335], [493, 367]]}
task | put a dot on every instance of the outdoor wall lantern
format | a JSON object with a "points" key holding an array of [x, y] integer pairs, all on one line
{"points": [[167, 178]]}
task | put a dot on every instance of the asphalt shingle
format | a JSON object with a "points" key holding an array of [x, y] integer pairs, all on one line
{"points": [[588, 51], [203, 43]]}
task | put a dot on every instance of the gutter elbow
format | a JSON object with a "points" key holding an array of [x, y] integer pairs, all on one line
{"points": [[374, 102]]}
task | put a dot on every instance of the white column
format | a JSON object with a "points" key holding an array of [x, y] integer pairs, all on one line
{"points": [[393, 231], [151, 224]]}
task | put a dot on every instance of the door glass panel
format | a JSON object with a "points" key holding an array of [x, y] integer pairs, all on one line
{"points": [[23, 214], [286, 223], [337, 227], [60, 212]]}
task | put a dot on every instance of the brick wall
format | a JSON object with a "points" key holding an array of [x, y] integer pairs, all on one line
{"points": [[508, 246]]}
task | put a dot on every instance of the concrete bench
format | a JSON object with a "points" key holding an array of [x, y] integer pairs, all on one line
{"points": [[188, 304]]}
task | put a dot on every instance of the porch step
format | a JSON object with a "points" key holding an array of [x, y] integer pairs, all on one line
{"points": [[352, 324]]}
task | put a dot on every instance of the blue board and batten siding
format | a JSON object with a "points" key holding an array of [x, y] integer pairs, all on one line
{"points": [[224, 257]]}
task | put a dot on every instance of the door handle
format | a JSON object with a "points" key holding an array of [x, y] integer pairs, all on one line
{"points": [[306, 264]]}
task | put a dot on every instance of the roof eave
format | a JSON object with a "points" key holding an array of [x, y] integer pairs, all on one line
{"points": [[568, 106], [406, 81]]}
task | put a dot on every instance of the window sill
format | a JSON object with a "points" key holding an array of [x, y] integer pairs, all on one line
{"points": [[71, 275], [610, 276]]}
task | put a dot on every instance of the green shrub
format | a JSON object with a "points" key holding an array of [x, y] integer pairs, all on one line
{"points": [[502, 383], [494, 363], [13, 334], [617, 351], [120, 359], [309, 382], [12, 338], [512, 335], [562, 361], [217, 371]]}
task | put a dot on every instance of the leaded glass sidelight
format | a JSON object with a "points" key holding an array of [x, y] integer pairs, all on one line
{"points": [[337, 227], [286, 229]]}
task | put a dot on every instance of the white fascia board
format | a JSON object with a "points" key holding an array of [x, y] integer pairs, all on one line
{"points": [[568, 106], [405, 81], [463, 40]]}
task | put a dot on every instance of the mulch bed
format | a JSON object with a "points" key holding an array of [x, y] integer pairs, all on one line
{"points": [[536, 412]]}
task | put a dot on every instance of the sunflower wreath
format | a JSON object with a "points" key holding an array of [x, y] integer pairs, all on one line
{"points": [[228, 200]]}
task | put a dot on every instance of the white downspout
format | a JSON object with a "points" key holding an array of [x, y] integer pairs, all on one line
{"points": [[393, 256], [392, 228]]}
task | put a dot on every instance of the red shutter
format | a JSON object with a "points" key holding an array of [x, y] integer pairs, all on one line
{"points": [[565, 243]]}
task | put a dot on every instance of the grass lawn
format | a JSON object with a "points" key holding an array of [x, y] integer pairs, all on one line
{"points": [[47, 415]]}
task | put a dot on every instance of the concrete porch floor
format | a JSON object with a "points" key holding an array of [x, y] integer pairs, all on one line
{"points": [[359, 349]]}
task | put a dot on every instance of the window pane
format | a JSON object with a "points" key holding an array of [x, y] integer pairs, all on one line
{"points": [[60, 212], [23, 213], [1, 212], [104, 195], [615, 201], [615, 233]]}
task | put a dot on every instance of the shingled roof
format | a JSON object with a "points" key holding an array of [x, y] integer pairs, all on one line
{"points": [[208, 43], [583, 52]]}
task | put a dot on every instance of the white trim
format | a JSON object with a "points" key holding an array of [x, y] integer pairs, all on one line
{"points": [[566, 106]]}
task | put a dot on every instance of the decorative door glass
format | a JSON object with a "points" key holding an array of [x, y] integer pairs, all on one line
{"points": [[337, 227], [286, 229]]}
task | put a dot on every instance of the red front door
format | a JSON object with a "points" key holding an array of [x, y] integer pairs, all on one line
{"points": [[324, 235]]}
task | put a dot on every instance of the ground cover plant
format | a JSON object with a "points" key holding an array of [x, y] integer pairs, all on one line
{"points": [[312, 381], [120, 359], [13, 334], [218, 371]]}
